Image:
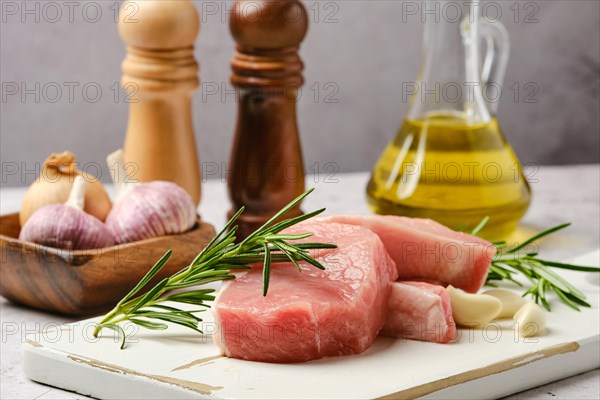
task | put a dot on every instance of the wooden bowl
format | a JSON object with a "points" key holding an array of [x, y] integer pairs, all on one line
{"points": [[85, 282]]}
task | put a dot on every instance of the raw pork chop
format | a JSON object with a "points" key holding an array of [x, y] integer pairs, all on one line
{"points": [[310, 314], [426, 250], [419, 311]]}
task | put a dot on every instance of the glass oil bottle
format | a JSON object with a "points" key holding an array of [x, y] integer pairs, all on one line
{"points": [[450, 160]]}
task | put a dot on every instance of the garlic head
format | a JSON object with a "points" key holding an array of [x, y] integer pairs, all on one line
{"points": [[150, 210], [146, 210], [67, 226]]}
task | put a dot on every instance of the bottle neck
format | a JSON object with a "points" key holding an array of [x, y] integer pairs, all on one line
{"points": [[449, 79]]}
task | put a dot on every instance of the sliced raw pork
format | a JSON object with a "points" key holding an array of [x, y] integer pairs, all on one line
{"points": [[426, 250], [419, 311], [310, 314]]}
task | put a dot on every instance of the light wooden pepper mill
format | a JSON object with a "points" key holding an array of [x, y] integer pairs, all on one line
{"points": [[160, 75], [266, 170]]}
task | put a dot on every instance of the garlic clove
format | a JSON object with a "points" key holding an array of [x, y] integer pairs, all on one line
{"points": [[511, 302], [97, 201], [67, 226], [530, 320], [473, 310], [118, 173]]}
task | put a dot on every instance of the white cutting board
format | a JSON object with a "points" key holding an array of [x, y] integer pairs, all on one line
{"points": [[178, 363]]}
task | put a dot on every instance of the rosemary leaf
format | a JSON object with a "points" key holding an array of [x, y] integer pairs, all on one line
{"points": [[157, 326], [311, 261], [151, 295], [266, 270], [572, 267], [538, 236], [120, 333], [479, 227], [153, 271], [286, 250]]}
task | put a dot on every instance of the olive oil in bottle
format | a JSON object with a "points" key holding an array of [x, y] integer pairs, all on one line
{"points": [[450, 161], [444, 168]]}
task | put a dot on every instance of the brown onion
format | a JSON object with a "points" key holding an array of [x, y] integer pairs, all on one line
{"points": [[55, 183]]}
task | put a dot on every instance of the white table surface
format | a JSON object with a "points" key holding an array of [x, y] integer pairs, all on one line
{"points": [[561, 194]]}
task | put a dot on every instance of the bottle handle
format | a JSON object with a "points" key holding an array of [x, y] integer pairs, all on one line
{"points": [[497, 45]]}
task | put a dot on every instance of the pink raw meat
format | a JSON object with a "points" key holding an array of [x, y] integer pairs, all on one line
{"points": [[419, 311], [426, 250], [310, 314]]}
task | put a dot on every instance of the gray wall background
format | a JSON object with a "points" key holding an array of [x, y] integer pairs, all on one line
{"points": [[363, 47]]}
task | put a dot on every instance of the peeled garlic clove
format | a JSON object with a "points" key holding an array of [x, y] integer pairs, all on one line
{"points": [[55, 183], [473, 310], [511, 302], [67, 226], [531, 320], [147, 210]]}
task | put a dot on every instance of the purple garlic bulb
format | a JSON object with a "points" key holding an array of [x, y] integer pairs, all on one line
{"points": [[67, 226], [146, 210], [149, 210]]}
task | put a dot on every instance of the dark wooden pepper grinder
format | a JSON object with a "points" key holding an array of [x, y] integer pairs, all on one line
{"points": [[266, 169]]}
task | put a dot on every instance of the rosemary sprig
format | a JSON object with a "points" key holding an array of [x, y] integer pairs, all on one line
{"points": [[511, 261], [215, 262]]}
